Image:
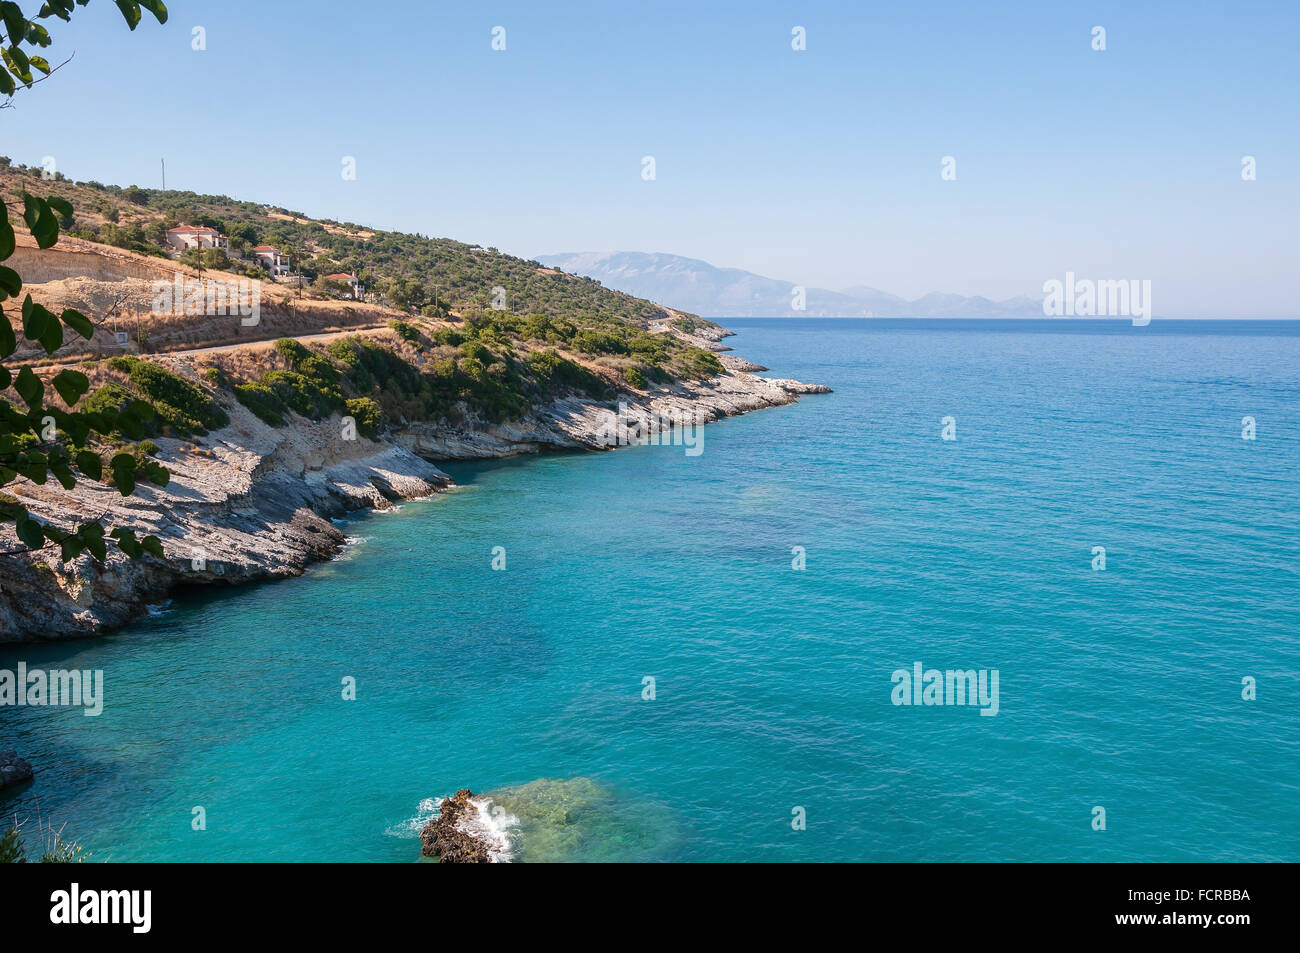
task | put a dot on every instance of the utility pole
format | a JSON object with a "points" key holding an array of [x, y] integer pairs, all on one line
{"points": [[164, 173]]}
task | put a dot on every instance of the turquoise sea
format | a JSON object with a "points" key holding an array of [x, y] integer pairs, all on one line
{"points": [[1119, 689]]}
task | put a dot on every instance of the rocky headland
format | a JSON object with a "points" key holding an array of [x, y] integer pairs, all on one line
{"points": [[323, 404], [251, 502]]}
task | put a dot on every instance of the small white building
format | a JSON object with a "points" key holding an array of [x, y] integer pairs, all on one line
{"points": [[350, 280], [184, 237], [269, 257]]}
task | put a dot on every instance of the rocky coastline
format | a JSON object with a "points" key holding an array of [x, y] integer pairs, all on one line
{"points": [[251, 502]]}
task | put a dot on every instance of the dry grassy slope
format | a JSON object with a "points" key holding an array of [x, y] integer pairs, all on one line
{"points": [[115, 289]]}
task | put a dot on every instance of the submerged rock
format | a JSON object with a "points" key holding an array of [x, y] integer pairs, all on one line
{"points": [[445, 836], [566, 820], [13, 769]]}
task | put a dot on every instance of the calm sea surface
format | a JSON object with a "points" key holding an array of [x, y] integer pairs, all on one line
{"points": [[1120, 689]]}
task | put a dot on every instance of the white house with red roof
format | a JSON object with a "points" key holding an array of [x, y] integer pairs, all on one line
{"points": [[349, 280], [184, 237], [272, 260]]}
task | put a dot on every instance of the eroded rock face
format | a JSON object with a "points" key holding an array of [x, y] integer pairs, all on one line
{"points": [[13, 769], [245, 503], [444, 838], [252, 502]]}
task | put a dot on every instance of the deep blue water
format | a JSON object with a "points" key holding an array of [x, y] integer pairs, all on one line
{"points": [[1119, 688]]}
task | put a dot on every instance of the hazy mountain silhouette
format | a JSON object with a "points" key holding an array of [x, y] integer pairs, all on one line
{"points": [[697, 286]]}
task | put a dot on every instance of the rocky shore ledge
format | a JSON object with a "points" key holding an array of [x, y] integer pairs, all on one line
{"points": [[447, 837], [251, 502]]}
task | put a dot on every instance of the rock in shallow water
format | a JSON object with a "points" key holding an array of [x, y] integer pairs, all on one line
{"points": [[444, 839], [13, 769]]}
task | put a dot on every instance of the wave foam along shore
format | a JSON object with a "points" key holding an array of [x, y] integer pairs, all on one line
{"points": [[469, 829]]}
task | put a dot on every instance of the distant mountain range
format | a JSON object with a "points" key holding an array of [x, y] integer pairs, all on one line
{"points": [[696, 286]]}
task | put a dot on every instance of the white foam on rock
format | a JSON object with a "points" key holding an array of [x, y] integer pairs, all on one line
{"points": [[489, 823], [493, 825]]}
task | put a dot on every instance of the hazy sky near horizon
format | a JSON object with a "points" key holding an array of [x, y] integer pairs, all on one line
{"points": [[821, 167]]}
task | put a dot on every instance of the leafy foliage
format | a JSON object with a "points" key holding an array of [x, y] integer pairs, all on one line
{"points": [[21, 67], [39, 440]]}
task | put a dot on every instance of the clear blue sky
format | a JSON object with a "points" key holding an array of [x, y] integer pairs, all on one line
{"points": [[820, 167]]}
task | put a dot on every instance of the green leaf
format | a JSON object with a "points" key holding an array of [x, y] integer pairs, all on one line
{"points": [[19, 65], [58, 8], [127, 542], [75, 426], [6, 230], [10, 282], [40, 63], [62, 206], [131, 10], [40, 325], [29, 387], [52, 339], [8, 340], [70, 547], [123, 466], [93, 536], [71, 385], [63, 475], [29, 531], [15, 22], [6, 89], [5, 377], [156, 8], [88, 462], [152, 544], [78, 322], [34, 318], [40, 220]]}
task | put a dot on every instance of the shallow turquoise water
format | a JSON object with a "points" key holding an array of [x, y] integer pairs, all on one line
{"points": [[1119, 689]]}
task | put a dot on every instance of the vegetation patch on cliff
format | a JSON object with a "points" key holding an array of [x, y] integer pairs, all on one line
{"points": [[433, 377]]}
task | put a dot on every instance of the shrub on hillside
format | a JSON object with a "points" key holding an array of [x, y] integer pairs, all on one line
{"points": [[367, 414], [260, 399]]}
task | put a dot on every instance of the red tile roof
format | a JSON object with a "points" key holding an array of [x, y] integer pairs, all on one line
{"points": [[196, 229]]}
